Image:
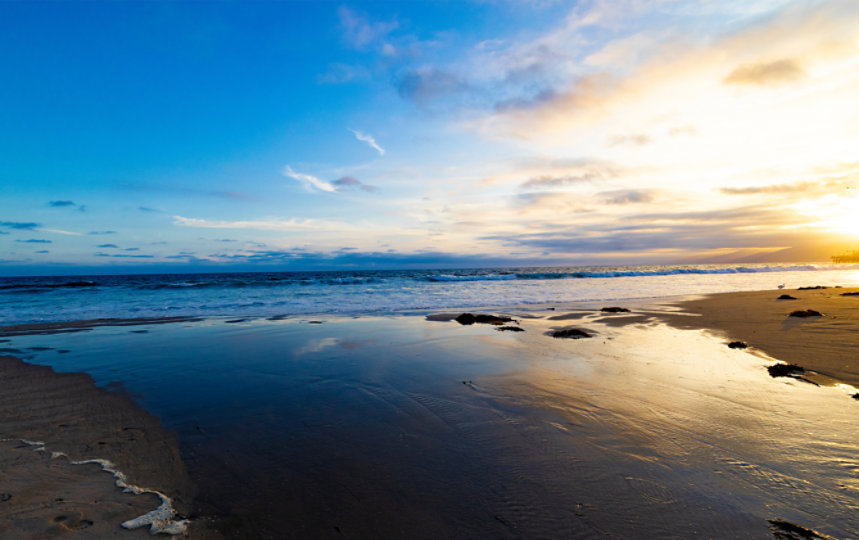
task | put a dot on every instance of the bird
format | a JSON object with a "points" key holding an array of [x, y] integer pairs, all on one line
{"points": [[781, 286]]}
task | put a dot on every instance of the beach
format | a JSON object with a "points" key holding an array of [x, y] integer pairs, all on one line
{"points": [[416, 425]]}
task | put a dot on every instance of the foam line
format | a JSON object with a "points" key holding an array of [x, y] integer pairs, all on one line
{"points": [[160, 520]]}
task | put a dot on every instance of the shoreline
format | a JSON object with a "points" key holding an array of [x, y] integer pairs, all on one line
{"points": [[80, 458], [825, 346]]}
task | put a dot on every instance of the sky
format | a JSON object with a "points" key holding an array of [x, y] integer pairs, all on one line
{"points": [[174, 136]]}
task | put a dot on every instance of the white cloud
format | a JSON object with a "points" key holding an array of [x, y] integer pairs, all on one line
{"points": [[367, 138], [273, 224], [60, 231], [308, 180]]}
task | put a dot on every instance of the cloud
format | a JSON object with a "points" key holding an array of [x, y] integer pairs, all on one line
{"points": [[267, 225], [34, 241], [3, 232], [578, 172], [310, 182], [359, 32], [686, 231], [633, 140], [352, 182], [42, 251], [61, 204], [108, 246], [805, 189], [367, 138], [191, 191], [98, 233], [429, 83], [132, 249], [766, 73], [61, 231], [543, 182], [19, 225], [626, 196], [149, 210], [122, 256]]}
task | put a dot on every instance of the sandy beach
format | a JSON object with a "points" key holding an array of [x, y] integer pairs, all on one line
{"points": [[49, 422], [441, 426], [827, 345]]}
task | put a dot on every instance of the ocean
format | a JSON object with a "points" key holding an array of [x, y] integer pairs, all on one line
{"points": [[69, 298]]}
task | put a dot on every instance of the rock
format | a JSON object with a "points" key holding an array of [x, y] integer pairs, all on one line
{"points": [[816, 287], [737, 345], [572, 333], [614, 309], [856, 396], [786, 297], [510, 329], [854, 293], [787, 530], [468, 319], [785, 370], [806, 313]]}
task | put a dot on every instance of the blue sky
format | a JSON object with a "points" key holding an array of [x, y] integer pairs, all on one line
{"points": [[288, 135]]}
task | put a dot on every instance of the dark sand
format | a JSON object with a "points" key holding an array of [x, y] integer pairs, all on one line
{"points": [[44, 495], [827, 345]]}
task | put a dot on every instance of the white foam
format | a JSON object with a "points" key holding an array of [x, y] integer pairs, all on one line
{"points": [[160, 520]]}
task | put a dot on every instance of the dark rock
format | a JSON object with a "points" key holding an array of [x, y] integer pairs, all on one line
{"points": [[614, 309], [5, 497], [785, 530], [785, 370], [572, 333], [466, 319], [469, 318], [737, 345], [816, 287], [786, 297], [854, 293], [856, 396], [315, 322], [806, 313], [510, 329]]}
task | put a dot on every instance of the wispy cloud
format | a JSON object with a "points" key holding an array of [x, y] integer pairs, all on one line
{"points": [[67, 204], [34, 241], [61, 231], [98, 233], [19, 225], [367, 138], [266, 225], [360, 32], [104, 246], [764, 73], [352, 182], [310, 182]]}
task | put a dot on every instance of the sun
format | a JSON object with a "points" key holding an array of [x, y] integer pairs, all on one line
{"points": [[836, 214]]}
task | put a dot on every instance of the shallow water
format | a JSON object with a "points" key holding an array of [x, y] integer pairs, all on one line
{"points": [[402, 427]]}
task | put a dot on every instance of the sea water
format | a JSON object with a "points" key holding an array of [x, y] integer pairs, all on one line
{"points": [[69, 298]]}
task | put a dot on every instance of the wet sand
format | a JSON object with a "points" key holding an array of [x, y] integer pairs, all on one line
{"points": [[827, 345], [48, 422], [414, 427]]}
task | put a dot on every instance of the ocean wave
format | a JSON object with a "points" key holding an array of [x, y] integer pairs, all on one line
{"points": [[471, 277], [605, 273]]}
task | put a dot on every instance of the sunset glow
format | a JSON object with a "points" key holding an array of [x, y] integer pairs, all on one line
{"points": [[392, 134]]}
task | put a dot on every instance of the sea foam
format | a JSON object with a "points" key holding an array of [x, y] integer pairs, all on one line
{"points": [[160, 521]]}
